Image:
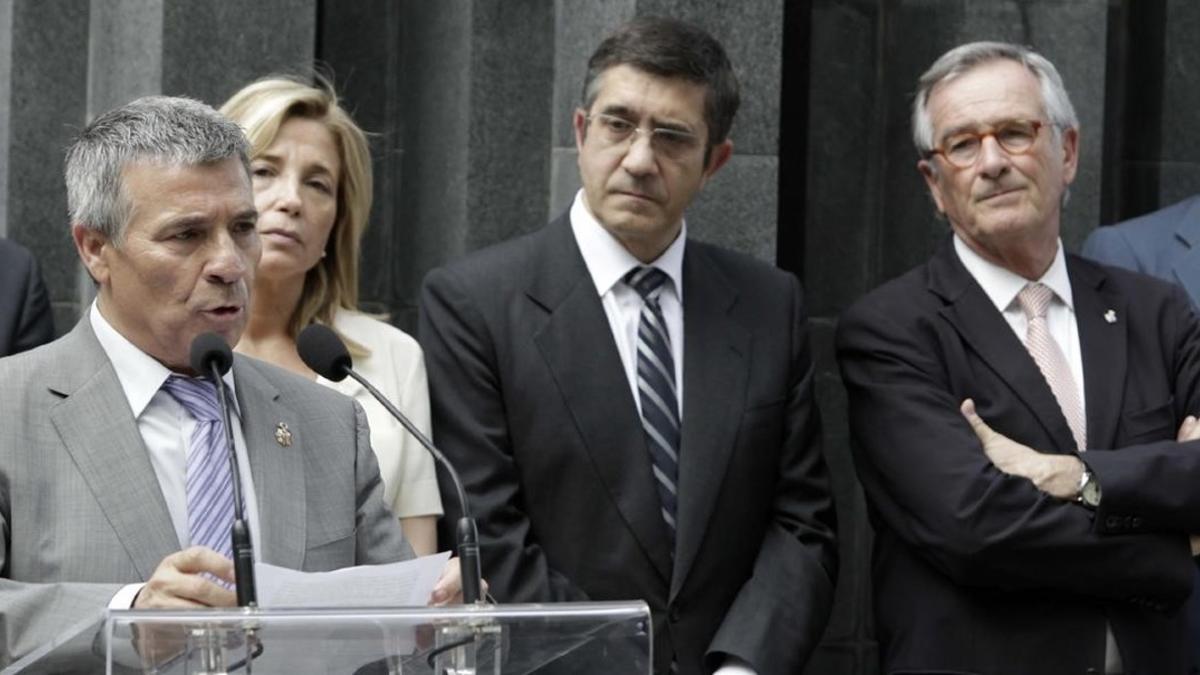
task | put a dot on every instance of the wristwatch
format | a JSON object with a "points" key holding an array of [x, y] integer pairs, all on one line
{"points": [[1089, 489]]}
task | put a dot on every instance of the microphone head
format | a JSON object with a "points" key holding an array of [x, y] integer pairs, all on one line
{"points": [[209, 349], [322, 350]]}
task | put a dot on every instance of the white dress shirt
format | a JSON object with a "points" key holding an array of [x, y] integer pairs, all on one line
{"points": [[166, 428], [608, 262], [1002, 287]]}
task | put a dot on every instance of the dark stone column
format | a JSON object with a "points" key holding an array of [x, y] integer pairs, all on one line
{"points": [[477, 125], [45, 83]]}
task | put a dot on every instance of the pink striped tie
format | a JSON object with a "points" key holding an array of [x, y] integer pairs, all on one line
{"points": [[1035, 300]]}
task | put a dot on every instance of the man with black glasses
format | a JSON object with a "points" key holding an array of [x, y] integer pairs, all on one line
{"points": [[632, 410], [1015, 410]]}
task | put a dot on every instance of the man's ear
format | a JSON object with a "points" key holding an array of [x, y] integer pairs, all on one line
{"points": [[580, 122], [931, 180], [91, 244], [717, 156]]}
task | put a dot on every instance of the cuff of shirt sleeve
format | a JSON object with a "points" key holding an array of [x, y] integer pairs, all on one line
{"points": [[734, 666], [125, 597]]}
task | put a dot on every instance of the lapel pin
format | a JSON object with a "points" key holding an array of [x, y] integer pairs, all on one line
{"points": [[1110, 316], [283, 435]]}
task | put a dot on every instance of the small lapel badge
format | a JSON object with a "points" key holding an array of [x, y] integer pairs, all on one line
{"points": [[1110, 316], [283, 435]]}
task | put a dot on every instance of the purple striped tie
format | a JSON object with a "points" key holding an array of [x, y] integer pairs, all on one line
{"points": [[209, 482]]}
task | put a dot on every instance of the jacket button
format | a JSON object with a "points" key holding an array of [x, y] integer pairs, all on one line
{"points": [[673, 614], [1092, 671], [1112, 521], [1137, 521]]}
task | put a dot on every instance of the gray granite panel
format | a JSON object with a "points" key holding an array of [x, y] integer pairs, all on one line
{"points": [[843, 156], [45, 108], [6, 44], [1181, 84], [1178, 180], [213, 48], [752, 33], [512, 79], [738, 208], [436, 59], [360, 43], [564, 179], [125, 52], [579, 26]]}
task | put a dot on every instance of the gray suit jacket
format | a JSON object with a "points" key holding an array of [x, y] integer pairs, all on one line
{"points": [[1164, 244], [80, 507]]}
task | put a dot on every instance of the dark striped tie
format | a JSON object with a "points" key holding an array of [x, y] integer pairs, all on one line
{"points": [[656, 388]]}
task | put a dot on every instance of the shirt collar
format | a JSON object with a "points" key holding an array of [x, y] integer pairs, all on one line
{"points": [[608, 261], [141, 375], [1002, 285]]}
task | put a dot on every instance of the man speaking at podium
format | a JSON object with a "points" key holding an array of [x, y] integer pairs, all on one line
{"points": [[110, 494]]}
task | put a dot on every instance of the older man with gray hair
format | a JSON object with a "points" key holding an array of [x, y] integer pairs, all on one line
{"points": [[1020, 416], [112, 490]]}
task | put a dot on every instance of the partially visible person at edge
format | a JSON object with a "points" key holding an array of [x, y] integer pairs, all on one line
{"points": [[311, 172], [25, 318]]}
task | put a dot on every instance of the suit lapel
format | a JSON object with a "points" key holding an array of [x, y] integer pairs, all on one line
{"points": [[277, 470], [1186, 267], [714, 386], [101, 435], [594, 388], [1103, 346], [971, 312]]}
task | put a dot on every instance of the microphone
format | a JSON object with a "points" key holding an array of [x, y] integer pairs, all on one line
{"points": [[324, 352], [212, 358]]}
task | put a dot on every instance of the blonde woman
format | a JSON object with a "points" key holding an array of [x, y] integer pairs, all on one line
{"points": [[311, 171]]}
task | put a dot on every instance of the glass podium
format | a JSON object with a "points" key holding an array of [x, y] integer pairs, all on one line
{"points": [[602, 637]]}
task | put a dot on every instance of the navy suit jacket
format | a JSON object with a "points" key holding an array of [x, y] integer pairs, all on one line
{"points": [[1164, 244], [976, 571], [531, 403], [25, 319]]}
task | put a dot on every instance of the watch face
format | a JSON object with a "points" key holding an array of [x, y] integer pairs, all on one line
{"points": [[1090, 494]]}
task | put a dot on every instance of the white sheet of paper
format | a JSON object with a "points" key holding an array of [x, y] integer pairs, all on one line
{"points": [[402, 584]]}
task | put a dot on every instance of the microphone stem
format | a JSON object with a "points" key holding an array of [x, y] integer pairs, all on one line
{"points": [[466, 533], [243, 548]]}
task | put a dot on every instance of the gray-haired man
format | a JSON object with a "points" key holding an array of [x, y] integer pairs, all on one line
{"points": [[98, 449], [1057, 542]]}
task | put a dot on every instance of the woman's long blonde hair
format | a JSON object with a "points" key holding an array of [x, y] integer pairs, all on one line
{"points": [[261, 108]]}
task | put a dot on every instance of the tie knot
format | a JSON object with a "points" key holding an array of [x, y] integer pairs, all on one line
{"points": [[1035, 300], [647, 281], [198, 397]]}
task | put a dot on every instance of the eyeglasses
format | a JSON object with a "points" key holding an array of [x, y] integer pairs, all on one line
{"points": [[614, 131], [962, 150]]}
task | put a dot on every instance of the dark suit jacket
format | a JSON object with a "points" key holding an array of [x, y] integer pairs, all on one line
{"points": [[531, 403], [1164, 244], [979, 572], [25, 318]]}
